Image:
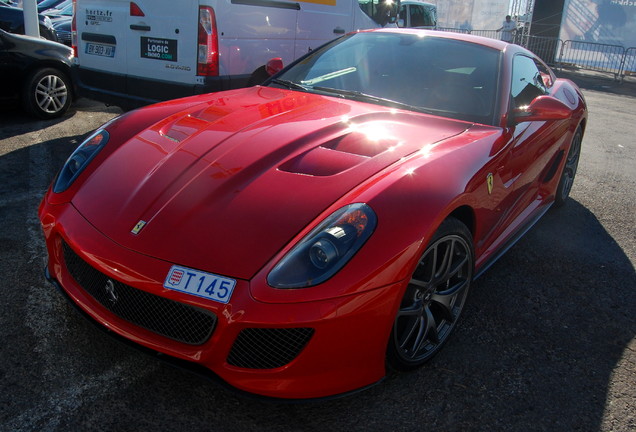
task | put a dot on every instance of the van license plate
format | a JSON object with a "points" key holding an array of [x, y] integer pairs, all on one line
{"points": [[100, 50]]}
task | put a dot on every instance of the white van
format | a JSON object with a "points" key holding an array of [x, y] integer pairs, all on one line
{"points": [[417, 13], [131, 53]]}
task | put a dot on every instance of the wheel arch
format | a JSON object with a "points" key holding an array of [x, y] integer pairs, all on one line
{"points": [[61, 67], [582, 124], [466, 215]]}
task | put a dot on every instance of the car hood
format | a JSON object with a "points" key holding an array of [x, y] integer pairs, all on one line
{"points": [[224, 185]]}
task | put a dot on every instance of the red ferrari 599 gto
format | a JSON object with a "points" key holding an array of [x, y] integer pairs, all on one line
{"points": [[297, 238]]}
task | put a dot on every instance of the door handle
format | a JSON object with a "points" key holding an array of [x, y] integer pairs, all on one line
{"points": [[139, 27], [339, 30]]}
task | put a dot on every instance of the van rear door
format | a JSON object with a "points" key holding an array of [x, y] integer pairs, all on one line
{"points": [[146, 49], [320, 21], [161, 39], [101, 43]]}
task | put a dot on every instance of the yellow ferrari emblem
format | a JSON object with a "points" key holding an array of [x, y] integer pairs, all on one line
{"points": [[489, 182], [138, 227]]}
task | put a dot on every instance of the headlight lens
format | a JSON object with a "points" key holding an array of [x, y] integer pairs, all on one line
{"points": [[80, 159], [326, 249]]}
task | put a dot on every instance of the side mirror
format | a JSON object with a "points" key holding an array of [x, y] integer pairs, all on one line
{"points": [[274, 66], [547, 79], [542, 108]]}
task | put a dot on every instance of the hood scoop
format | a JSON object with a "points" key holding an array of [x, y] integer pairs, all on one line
{"points": [[339, 154]]}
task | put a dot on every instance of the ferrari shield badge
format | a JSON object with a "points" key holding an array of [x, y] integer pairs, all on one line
{"points": [[489, 182], [140, 225]]}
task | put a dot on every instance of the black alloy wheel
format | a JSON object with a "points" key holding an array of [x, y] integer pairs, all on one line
{"points": [[434, 298], [569, 169]]}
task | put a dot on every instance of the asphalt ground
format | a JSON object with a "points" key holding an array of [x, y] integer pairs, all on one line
{"points": [[547, 341]]}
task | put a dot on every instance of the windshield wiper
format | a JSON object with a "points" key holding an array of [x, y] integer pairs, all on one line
{"points": [[354, 93], [291, 85], [364, 97]]}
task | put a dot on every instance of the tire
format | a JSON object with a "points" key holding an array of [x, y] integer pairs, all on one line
{"points": [[434, 299], [569, 169], [47, 93]]}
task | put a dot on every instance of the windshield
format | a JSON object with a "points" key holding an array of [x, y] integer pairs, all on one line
{"points": [[424, 73]]}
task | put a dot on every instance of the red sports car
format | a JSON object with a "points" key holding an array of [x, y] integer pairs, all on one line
{"points": [[298, 238]]}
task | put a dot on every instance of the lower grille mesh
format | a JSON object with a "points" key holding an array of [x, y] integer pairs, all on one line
{"points": [[268, 348], [166, 317]]}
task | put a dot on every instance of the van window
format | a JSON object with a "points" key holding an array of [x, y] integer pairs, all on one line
{"points": [[414, 15], [378, 10], [420, 16]]}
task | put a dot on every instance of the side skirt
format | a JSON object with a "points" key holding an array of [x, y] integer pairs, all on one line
{"points": [[514, 238]]}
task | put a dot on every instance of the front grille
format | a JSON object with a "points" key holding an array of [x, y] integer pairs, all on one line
{"points": [[268, 348], [63, 37], [166, 317]]}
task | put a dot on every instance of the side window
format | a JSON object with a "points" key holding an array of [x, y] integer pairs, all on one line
{"points": [[431, 16], [402, 16], [422, 16], [380, 11], [527, 81], [417, 16]]}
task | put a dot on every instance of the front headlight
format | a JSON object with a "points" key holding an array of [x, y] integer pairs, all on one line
{"points": [[326, 249], [80, 159]]}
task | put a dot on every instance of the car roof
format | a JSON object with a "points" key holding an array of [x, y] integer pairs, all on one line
{"points": [[419, 2], [480, 40]]}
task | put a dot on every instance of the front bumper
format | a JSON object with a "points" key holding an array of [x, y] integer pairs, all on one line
{"points": [[295, 350]]}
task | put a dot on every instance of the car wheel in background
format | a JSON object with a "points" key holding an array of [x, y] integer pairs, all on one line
{"points": [[47, 93], [434, 298], [569, 170]]}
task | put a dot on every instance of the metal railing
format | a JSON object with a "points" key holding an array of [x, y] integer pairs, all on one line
{"points": [[593, 56], [546, 48], [629, 63], [606, 58]]}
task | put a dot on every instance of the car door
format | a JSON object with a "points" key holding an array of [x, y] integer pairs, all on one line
{"points": [[533, 145], [7, 67]]}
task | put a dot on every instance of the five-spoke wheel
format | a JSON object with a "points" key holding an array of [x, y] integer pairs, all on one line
{"points": [[434, 298]]}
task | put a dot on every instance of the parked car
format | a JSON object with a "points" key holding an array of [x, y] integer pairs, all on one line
{"points": [[65, 8], [61, 17], [296, 238], [48, 4], [38, 71], [62, 28], [12, 21]]}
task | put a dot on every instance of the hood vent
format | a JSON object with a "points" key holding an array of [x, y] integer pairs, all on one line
{"points": [[183, 128], [338, 155]]}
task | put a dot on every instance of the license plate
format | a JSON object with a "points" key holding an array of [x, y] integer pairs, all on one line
{"points": [[100, 50], [200, 284]]}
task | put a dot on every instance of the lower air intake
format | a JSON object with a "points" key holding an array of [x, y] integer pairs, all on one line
{"points": [[268, 348]]}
